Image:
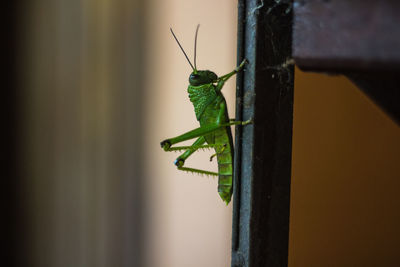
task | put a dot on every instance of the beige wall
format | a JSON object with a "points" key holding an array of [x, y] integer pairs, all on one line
{"points": [[102, 83], [189, 225]]}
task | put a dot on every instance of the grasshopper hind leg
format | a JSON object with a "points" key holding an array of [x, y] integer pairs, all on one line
{"points": [[180, 161]]}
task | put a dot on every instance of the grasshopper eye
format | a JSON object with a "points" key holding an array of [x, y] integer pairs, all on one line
{"points": [[194, 79], [194, 76]]}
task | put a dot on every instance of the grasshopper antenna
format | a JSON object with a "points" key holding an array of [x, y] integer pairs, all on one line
{"points": [[195, 46], [176, 39]]}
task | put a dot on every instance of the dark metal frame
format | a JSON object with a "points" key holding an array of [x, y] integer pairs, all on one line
{"points": [[335, 36], [358, 38], [263, 151]]}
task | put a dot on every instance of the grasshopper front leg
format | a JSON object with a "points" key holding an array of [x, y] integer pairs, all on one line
{"points": [[224, 78]]}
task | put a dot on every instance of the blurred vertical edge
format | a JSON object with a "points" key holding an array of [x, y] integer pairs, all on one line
{"points": [[73, 133], [10, 178]]}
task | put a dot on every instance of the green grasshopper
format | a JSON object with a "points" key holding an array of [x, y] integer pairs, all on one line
{"points": [[210, 107]]}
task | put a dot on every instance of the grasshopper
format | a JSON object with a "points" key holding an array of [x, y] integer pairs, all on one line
{"points": [[214, 132]]}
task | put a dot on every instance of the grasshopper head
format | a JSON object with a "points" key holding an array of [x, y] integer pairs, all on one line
{"points": [[200, 77], [197, 77]]}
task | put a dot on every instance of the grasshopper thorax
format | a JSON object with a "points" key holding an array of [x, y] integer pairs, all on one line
{"points": [[200, 77]]}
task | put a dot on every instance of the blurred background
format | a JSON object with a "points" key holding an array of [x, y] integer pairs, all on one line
{"points": [[101, 83]]}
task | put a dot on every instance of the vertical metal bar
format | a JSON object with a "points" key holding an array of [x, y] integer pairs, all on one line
{"points": [[12, 223], [263, 149]]}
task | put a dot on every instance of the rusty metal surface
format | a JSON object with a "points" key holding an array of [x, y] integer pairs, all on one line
{"points": [[347, 35]]}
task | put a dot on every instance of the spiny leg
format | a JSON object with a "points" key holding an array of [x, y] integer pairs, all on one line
{"points": [[198, 132], [201, 131], [180, 161], [197, 171], [196, 145], [185, 148]]}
